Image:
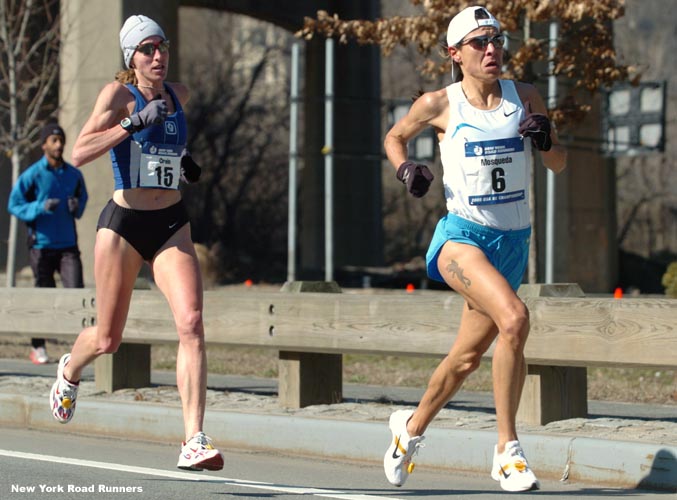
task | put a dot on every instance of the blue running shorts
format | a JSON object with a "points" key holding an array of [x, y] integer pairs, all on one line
{"points": [[508, 251]]}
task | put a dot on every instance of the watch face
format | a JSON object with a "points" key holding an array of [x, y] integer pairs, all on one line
{"points": [[127, 124]]}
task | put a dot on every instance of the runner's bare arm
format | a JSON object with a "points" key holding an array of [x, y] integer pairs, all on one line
{"points": [[102, 130], [426, 111]]}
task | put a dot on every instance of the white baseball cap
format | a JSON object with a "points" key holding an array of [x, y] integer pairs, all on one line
{"points": [[468, 20]]}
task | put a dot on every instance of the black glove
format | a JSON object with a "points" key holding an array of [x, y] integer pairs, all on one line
{"points": [[190, 171], [416, 177], [73, 205], [537, 127], [51, 203], [155, 112]]}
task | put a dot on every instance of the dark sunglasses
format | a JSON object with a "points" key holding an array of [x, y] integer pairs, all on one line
{"points": [[148, 49], [482, 42]]}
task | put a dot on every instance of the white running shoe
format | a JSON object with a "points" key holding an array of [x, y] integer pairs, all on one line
{"points": [[63, 394], [199, 454], [38, 355], [397, 462], [512, 470]]}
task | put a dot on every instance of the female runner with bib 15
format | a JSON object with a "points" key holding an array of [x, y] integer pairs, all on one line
{"points": [[139, 119]]}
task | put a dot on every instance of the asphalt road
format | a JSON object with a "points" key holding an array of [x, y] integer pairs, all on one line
{"points": [[38, 465]]}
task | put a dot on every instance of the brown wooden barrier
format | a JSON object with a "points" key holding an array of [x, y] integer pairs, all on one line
{"points": [[312, 329]]}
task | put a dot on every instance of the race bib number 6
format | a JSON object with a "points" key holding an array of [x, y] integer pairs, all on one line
{"points": [[500, 171]]}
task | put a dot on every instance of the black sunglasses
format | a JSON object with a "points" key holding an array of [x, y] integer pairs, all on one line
{"points": [[148, 49], [482, 42]]}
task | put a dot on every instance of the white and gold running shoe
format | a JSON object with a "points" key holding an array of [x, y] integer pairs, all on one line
{"points": [[511, 469], [397, 462]]}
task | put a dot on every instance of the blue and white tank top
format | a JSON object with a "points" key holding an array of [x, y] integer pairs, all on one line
{"points": [[151, 158], [486, 163]]}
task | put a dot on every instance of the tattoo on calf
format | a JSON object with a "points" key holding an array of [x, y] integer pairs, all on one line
{"points": [[455, 270]]}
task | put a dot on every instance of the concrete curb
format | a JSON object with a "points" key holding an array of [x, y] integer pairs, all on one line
{"points": [[617, 463]]}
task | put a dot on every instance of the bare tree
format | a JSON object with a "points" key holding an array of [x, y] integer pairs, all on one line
{"points": [[238, 120], [644, 186], [29, 50]]}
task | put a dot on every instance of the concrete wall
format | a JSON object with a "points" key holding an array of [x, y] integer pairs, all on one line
{"points": [[585, 250], [647, 184]]}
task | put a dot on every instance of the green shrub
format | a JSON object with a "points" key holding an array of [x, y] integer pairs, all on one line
{"points": [[670, 280]]}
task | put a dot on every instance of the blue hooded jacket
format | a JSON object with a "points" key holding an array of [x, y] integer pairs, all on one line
{"points": [[55, 229]]}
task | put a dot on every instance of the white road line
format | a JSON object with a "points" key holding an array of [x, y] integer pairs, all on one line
{"points": [[189, 476]]}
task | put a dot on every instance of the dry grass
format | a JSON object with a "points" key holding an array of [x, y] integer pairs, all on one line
{"points": [[610, 384]]}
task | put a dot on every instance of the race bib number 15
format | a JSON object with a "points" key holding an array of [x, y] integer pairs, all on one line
{"points": [[160, 166]]}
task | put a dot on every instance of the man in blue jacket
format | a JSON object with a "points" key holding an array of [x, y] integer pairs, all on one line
{"points": [[49, 195]]}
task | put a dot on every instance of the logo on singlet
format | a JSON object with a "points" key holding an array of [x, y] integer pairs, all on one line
{"points": [[170, 128]]}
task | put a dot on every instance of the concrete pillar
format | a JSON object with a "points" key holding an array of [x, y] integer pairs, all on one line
{"points": [[590, 201], [585, 206], [358, 233]]}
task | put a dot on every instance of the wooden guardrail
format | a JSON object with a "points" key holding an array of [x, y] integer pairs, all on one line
{"points": [[312, 330]]}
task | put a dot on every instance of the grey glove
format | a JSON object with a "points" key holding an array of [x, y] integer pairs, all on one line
{"points": [[51, 203], [154, 113], [73, 205]]}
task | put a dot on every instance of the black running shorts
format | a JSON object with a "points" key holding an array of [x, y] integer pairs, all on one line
{"points": [[145, 230]]}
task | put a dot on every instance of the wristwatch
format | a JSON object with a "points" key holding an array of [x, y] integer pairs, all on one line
{"points": [[127, 124]]}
